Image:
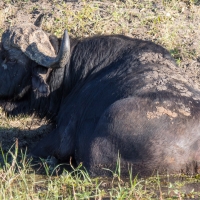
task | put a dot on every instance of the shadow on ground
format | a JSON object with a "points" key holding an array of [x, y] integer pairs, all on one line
{"points": [[26, 139]]}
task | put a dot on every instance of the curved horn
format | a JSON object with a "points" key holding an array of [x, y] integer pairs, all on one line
{"points": [[39, 20], [63, 55], [35, 43]]}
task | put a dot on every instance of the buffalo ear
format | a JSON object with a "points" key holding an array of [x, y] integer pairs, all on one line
{"points": [[39, 81], [55, 43]]}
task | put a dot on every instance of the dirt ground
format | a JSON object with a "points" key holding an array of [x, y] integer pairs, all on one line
{"points": [[173, 24]]}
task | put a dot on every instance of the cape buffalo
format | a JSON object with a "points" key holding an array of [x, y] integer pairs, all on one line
{"points": [[110, 96]]}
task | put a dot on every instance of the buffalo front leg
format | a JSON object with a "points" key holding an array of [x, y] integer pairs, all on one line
{"points": [[46, 146], [60, 143]]}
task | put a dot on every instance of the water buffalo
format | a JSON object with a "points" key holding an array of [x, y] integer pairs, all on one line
{"points": [[110, 97]]}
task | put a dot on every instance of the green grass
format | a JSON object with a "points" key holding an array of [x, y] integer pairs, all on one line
{"points": [[19, 180]]}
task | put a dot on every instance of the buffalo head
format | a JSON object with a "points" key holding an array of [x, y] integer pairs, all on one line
{"points": [[28, 55]]}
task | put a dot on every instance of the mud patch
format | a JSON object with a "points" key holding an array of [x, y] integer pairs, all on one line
{"points": [[161, 111]]}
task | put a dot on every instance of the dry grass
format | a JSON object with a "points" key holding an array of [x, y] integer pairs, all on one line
{"points": [[173, 23]]}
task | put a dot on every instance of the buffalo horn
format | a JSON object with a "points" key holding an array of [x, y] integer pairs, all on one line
{"points": [[35, 43], [39, 20], [63, 55]]}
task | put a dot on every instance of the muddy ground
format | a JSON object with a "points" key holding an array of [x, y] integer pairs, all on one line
{"points": [[173, 24]]}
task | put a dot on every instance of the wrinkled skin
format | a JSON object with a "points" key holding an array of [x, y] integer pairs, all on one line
{"points": [[116, 97]]}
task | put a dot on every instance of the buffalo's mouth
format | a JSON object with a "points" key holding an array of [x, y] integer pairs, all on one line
{"points": [[10, 104], [22, 93], [18, 96]]}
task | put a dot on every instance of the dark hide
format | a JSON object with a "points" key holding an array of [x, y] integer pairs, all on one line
{"points": [[117, 97]]}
